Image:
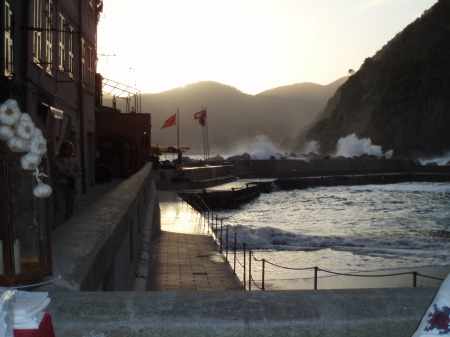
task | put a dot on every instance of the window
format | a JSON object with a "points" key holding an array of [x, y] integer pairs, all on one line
{"points": [[49, 36], [70, 46], [61, 43], [9, 51], [37, 35], [83, 62], [90, 67]]}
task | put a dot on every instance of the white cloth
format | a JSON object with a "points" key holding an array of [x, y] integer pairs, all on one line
{"points": [[28, 305], [436, 321], [7, 297], [31, 324], [3, 324]]}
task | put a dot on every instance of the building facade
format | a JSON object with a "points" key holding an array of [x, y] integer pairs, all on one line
{"points": [[123, 141], [48, 64]]}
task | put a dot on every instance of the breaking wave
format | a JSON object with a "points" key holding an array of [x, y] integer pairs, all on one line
{"points": [[352, 146], [274, 238]]}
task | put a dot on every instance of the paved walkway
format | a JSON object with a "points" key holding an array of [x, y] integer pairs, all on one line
{"points": [[185, 257]]}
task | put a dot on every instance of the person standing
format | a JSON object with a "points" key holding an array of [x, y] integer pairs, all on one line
{"points": [[66, 172]]}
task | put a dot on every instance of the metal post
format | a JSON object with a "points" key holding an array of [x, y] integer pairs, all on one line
{"points": [[414, 279], [244, 265], [217, 219], [315, 277], [263, 272], [226, 244], [249, 269], [235, 242], [221, 233]]}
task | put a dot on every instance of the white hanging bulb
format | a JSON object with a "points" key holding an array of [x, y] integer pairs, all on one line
{"points": [[9, 112]]}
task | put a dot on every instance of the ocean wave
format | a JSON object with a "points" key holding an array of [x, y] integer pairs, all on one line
{"points": [[273, 238]]}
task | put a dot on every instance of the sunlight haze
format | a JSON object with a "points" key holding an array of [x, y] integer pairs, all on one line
{"points": [[253, 45]]}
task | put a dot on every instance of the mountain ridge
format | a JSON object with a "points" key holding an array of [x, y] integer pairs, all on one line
{"points": [[399, 98], [234, 117]]}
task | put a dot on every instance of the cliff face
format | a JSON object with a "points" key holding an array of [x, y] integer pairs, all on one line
{"points": [[400, 98]]}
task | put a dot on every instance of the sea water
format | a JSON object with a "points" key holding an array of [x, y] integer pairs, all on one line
{"points": [[345, 229]]}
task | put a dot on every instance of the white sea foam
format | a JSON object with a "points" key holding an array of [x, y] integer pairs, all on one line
{"points": [[311, 146], [260, 148], [351, 146], [443, 187], [270, 238], [438, 160]]}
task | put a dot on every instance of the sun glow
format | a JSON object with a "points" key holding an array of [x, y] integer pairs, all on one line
{"points": [[253, 45]]}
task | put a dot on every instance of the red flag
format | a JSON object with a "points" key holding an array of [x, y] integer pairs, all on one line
{"points": [[199, 114], [170, 122]]}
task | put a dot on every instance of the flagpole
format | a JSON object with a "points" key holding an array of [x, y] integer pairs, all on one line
{"points": [[205, 152], [203, 134], [207, 136], [178, 128]]}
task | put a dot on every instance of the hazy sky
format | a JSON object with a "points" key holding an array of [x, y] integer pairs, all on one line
{"points": [[253, 45]]}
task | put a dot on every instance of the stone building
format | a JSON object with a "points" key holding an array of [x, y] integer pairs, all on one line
{"points": [[48, 64]]}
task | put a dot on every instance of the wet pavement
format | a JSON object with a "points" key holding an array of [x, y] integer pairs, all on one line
{"points": [[185, 256]]}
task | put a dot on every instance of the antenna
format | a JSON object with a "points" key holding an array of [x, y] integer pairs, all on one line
{"points": [[132, 71], [107, 56]]}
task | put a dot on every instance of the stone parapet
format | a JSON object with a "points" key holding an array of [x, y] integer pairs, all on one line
{"points": [[346, 313], [99, 248]]}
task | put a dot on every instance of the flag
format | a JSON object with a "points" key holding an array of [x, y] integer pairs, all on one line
{"points": [[170, 122], [201, 116]]}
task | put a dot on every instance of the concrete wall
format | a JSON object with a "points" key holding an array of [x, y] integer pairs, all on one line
{"points": [[99, 248]]}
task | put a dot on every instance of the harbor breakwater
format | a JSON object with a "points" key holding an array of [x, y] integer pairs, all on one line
{"points": [[261, 176], [190, 177], [329, 167]]}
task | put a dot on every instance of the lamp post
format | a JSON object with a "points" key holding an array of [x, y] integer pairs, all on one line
{"points": [[25, 250]]}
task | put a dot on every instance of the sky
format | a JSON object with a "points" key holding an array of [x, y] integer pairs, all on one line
{"points": [[252, 45]]}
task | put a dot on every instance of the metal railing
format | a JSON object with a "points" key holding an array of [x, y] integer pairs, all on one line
{"points": [[240, 253]]}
